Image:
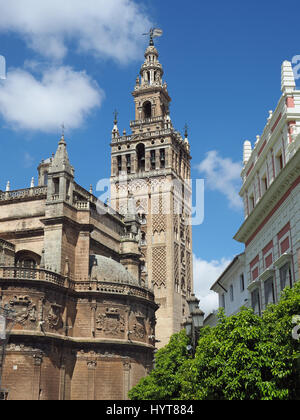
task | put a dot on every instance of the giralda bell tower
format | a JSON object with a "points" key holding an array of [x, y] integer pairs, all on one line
{"points": [[151, 165]]}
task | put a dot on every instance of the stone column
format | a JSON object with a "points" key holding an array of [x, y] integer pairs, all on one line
{"points": [[36, 377], [127, 379], [62, 381], [92, 366], [93, 318]]}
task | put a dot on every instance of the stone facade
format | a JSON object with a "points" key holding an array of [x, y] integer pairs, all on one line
{"points": [[95, 289], [152, 164], [84, 319]]}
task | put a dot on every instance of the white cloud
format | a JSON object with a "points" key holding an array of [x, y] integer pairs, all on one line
{"points": [[28, 160], [205, 274], [223, 175], [106, 28], [61, 95]]}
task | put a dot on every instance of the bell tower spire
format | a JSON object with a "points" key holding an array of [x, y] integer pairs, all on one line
{"points": [[151, 96], [152, 166]]}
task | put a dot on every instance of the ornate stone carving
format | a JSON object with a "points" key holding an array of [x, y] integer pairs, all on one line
{"points": [[138, 324], [139, 328], [111, 322], [55, 316], [92, 364], [25, 309], [38, 359], [126, 365]]}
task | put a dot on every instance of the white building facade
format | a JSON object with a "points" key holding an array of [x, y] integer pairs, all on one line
{"points": [[271, 196], [231, 286]]}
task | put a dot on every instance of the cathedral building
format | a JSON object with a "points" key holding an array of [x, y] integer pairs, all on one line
{"points": [[88, 290]]}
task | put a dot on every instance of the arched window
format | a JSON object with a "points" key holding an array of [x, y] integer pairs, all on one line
{"points": [[140, 151], [27, 259], [147, 109], [143, 239]]}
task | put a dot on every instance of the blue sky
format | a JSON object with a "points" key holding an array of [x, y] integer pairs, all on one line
{"points": [[76, 61]]}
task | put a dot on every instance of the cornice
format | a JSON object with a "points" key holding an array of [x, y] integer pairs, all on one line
{"points": [[80, 340], [280, 186]]}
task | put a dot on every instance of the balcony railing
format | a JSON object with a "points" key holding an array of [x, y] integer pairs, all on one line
{"points": [[137, 123], [21, 194], [23, 273], [19, 274]]}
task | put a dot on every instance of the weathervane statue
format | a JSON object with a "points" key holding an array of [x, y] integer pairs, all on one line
{"points": [[154, 33]]}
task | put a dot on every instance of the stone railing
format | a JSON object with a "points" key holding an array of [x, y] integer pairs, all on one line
{"points": [[19, 274], [151, 134], [82, 191], [82, 205], [114, 288], [101, 208], [119, 139], [21, 194], [137, 123], [34, 274]]}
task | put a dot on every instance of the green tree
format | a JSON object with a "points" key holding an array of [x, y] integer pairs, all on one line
{"points": [[244, 357], [164, 382]]}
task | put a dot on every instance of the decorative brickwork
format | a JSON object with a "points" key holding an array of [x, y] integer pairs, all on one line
{"points": [[159, 163], [159, 261]]}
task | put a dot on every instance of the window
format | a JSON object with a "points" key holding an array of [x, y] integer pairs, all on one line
{"points": [[119, 163], [264, 184], [68, 189], [28, 263], [27, 259], [128, 163], [279, 162], [231, 293], [143, 239], [143, 219], [147, 109], [251, 202], [140, 150], [255, 299], [153, 159], [242, 282], [269, 291], [162, 158], [56, 185], [223, 300], [285, 276], [180, 163]]}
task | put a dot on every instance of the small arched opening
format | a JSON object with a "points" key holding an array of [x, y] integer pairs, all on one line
{"points": [[140, 151], [147, 109], [27, 259]]}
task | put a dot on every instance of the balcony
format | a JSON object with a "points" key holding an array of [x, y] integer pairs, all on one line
{"points": [[40, 192], [137, 123], [32, 274]]}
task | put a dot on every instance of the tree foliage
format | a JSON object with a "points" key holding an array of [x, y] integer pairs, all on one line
{"points": [[164, 382], [245, 357]]}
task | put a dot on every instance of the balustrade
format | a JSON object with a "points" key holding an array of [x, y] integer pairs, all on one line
{"points": [[21, 194]]}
